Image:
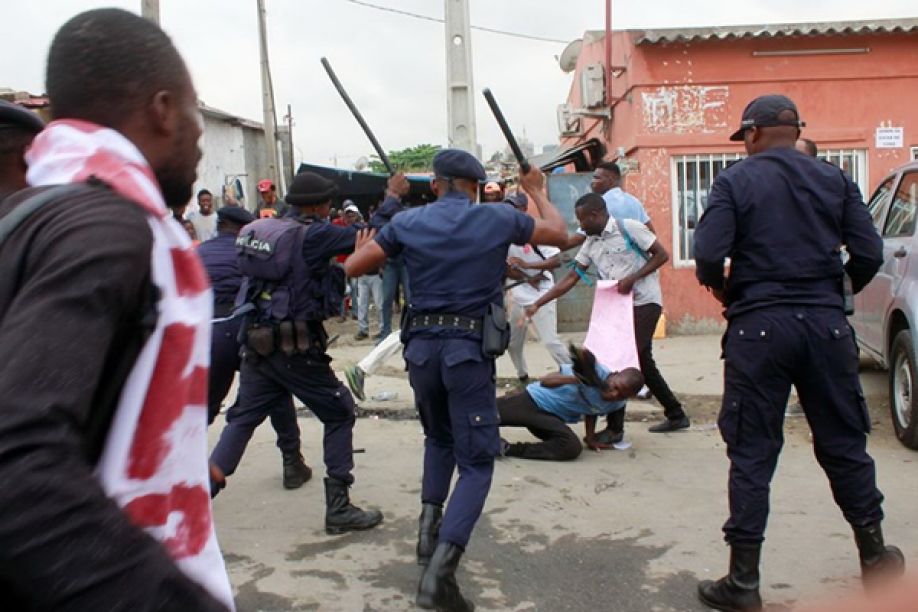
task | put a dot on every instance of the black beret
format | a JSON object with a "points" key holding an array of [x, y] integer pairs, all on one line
{"points": [[455, 163], [309, 188], [235, 214], [15, 115]]}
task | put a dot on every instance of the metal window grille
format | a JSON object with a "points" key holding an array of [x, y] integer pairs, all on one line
{"points": [[852, 161]]}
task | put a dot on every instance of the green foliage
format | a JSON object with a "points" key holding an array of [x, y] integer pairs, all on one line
{"points": [[413, 159]]}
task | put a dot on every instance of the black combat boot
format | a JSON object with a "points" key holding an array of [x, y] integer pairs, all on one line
{"points": [[738, 591], [438, 589], [428, 530], [878, 561], [341, 515], [296, 472]]}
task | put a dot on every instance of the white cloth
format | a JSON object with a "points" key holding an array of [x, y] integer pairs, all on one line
{"points": [[614, 260], [205, 226], [526, 294], [154, 464], [388, 348], [546, 325], [369, 286], [611, 333]]}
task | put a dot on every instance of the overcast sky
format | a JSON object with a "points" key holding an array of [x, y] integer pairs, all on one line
{"points": [[392, 65]]}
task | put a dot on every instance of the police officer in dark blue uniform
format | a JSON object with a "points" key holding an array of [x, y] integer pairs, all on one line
{"points": [[782, 217], [221, 262], [455, 252], [293, 288]]}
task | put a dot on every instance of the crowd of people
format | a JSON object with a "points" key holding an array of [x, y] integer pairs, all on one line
{"points": [[127, 336]]}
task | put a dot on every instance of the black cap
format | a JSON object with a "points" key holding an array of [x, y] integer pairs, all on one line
{"points": [[455, 163], [764, 112], [309, 188], [17, 116], [235, 214]]}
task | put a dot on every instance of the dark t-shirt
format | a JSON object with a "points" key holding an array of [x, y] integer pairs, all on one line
{"points": [[74, 285]]}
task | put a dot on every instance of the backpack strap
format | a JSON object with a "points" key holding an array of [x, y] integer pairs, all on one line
{"points": [[628, 241], [12, 220]]}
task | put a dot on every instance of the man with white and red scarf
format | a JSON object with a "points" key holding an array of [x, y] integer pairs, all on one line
{"points": [[104, 335]]}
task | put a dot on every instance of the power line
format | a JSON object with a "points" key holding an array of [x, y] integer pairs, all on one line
{"points": [[438, 20]]}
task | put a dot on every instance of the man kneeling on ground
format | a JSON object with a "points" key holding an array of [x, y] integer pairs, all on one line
{"points": [[546, 406]]}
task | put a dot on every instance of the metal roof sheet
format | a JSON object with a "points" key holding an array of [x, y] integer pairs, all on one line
{"points": [[828, 28]]}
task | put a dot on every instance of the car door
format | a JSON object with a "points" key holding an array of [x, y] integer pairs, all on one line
{"points": [[868, 313], [898, 230]]}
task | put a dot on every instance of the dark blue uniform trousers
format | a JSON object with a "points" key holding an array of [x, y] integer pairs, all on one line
{"points": [[455, 394], [224, 361], [765, 352], [268, 382]]}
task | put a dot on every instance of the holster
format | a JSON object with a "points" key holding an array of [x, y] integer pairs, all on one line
{"points": [[405, 325], [260, 338], [495, 332]]}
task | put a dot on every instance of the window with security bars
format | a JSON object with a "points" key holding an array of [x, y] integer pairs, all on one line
{"points": [[693, 176], [853, 162], [914, 153]]}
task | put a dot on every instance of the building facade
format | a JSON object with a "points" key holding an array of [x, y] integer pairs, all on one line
{"points": [[674, 96]]}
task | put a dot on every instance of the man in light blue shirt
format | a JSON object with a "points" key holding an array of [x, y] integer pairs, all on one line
{"points": [[546, 406]]}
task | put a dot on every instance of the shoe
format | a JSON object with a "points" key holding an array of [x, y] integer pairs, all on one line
{"points": [[670, 425], [355, 378], [380, 336], [879, 562], [361, 335], [341, 515], [296, 472], [738, 591], [217, 480], [428, 531], [644, 393], [607, 436], [438, 589]]}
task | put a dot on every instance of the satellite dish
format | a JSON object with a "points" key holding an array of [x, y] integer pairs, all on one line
{"points": [[361, 164], [568, 59]]}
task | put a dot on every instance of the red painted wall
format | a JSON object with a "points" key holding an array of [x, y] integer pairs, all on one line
{"points": [[687, 98]]}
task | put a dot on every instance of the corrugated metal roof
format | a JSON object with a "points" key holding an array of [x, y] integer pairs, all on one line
{"points": [[829, 28]]}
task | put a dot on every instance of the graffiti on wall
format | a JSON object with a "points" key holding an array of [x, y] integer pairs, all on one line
{"points": [[685, 109]]}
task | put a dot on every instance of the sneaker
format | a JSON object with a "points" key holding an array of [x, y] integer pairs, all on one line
{"points": [[361, 335], [671, 425], [355, 379]]}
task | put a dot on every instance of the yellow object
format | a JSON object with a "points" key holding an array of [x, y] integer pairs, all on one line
{"points": [[660, 331]]}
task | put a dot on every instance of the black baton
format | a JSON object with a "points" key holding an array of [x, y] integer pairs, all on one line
{"points": [[350, 104], [511, 139]]}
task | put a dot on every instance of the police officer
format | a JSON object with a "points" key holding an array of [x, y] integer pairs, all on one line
{"points": [[455, 253], [18, 126], [293, 288], [782, 216], [221, 262]]}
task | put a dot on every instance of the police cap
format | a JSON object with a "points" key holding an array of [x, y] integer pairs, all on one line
{"points": [[764, 112], [13, 115], [235, 214], [308, 188], [455, 163]]}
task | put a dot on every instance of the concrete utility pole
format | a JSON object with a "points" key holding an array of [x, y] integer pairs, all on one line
{"points": [[267, 97], [149, 9], [460, 102]]}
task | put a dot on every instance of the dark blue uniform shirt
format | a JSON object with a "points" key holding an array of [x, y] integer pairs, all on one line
{"points": [[782, 216], [456, 252], [390, 207], [222, 264]]}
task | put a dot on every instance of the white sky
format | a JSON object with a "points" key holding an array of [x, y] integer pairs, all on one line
{"points": [[393, 66]]}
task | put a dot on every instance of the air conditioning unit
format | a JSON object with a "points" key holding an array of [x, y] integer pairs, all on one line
{"points": [[568, 123], [593, 86]]}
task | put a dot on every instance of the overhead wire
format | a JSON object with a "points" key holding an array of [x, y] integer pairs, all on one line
{"points": [[439, 20]]}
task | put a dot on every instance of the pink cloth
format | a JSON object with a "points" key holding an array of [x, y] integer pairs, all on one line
{"points": [[611, 333], [154, 464]]}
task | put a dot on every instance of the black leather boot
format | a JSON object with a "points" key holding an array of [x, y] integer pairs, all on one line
{"points": [[878, 561], [438, 589], [738, 591], [428, 531], [296, 472], [341, 515]]}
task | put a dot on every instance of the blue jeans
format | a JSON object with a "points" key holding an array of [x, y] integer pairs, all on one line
{"points": [[394, 271]]}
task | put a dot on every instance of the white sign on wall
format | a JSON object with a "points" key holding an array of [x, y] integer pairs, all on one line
{"points": [[890, 137]]}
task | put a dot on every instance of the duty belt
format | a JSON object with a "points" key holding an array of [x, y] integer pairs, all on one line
{"points": [[447, 320]]}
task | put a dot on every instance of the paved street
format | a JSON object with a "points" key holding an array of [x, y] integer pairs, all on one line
{"points": [[620, 530]]}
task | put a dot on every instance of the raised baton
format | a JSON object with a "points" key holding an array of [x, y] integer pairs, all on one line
{"points": [[350, 104], [511, 139]]}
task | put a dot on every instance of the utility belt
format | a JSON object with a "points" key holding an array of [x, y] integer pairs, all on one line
{"points": [[493, 327], [223, 309], [288, 337]]}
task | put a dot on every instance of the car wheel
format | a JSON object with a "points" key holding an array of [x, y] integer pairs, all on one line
{"points": [[903, 389]]}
